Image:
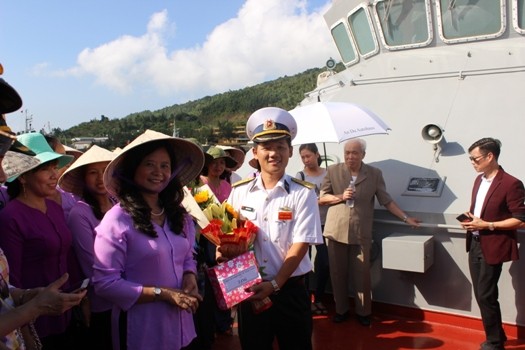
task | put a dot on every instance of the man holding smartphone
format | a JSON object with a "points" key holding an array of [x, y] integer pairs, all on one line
{"points": [[496, 211]]}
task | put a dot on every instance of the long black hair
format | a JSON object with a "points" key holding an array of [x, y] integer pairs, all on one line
{"points": [[132, 201], [90, 199]]}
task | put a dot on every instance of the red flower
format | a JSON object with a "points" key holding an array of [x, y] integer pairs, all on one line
{"points": [[231, 244], [212, 231]]}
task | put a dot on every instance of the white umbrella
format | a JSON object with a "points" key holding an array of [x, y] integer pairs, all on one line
{"points": [[335, 122]]}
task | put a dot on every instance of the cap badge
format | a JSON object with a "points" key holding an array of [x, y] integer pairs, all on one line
{"points": [[269, 125]]}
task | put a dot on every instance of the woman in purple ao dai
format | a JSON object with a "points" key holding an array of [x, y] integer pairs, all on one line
{"points": [[144, 246]]}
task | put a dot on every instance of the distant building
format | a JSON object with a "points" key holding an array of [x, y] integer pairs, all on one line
{"points": [[238, 138], [83, 143]]}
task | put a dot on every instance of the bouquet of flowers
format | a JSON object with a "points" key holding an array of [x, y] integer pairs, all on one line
{"points": [[227, 230]]}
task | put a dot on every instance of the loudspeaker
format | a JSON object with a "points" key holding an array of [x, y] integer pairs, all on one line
{"points": [[432, 133]]}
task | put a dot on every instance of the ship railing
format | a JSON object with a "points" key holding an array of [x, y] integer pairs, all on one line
{"points": [[425, 224]]}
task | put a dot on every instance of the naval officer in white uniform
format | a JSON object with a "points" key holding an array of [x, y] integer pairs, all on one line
{"points": [[285, 211]]}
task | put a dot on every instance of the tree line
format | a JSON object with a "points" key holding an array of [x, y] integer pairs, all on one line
{"points": [[197, 119]]}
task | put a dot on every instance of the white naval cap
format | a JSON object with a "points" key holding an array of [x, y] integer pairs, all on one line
{"points": [[270, 123]]}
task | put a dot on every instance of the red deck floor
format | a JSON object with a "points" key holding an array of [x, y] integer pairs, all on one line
{"points": [[388, 332]]}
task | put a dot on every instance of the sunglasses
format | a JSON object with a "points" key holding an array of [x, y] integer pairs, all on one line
{"points": [[477, 159], [6, 141]]}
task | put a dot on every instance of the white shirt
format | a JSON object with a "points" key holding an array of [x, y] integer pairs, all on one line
{"points": [[285, 215], [480, 197]]}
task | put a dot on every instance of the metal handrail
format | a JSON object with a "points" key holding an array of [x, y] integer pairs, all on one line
{"points": [[423, 224]]}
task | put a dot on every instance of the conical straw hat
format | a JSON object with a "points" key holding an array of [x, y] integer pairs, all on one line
{"points": [[190, 159], [15, 164], [73, 178]]}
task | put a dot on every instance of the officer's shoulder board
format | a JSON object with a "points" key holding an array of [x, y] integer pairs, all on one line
{"points": [[306, 184], [243, 182]]}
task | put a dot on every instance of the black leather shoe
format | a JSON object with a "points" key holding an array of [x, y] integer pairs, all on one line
{"points": [[338, 318], [489, 346], [364, 320]]}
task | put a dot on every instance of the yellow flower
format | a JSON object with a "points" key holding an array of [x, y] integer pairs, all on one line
{"points": [[229, 209], [202, 197]]}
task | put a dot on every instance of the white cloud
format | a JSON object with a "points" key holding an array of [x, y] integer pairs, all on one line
{"points": [[267, 39]]}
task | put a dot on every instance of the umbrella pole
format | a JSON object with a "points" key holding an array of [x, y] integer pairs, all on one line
{"points": [[325, 156]]}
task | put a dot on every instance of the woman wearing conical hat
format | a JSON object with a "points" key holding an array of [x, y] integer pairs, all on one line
{"points": [[144, 246], [238, 154], [64, 198], [84, 179], [215, 166], [213, 169]]}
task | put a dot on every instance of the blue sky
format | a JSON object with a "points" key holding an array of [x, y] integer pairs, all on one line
{"points": [[73, 61]]}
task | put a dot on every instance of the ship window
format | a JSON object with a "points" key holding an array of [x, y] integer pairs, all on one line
{"points": [[362, 30], [466, 20], [404, 23], [344, 44], [519, 16]]}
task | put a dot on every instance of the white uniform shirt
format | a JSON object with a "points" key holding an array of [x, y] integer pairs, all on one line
{"points": [[285, 215]]}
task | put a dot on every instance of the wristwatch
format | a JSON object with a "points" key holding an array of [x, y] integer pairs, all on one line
{"points": [[275, 286], [491, 226], [156, 292]]}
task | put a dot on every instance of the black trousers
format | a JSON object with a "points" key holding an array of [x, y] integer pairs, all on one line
{"points": [[100, 331], [289, 320], [485, 279]]}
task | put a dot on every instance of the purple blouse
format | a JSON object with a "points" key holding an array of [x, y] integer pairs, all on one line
{"points": [[68, 201], [82, 223], [125, 261], [223, 192], [38, 248], [4, 197]]}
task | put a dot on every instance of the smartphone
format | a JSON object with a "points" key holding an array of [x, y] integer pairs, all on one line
{"points": [[464, 218], [78, 287]]}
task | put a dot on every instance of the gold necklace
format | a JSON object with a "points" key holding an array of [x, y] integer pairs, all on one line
{"points": [[158, 214]]}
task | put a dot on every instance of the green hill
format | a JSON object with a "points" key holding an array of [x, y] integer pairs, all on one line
{"points": [[198, 118]]}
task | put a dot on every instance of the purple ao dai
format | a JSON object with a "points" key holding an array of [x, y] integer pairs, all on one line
{"points": [[125, 261]]}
